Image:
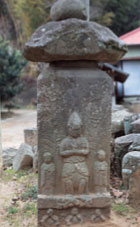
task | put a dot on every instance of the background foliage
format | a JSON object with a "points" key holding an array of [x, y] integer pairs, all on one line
{"points": [[120, 15], [11, 64], [126, 15]]}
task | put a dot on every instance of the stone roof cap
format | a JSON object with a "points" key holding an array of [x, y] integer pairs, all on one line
{"points": [[74, 39]]}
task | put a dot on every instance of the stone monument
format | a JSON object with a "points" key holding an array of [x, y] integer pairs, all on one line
{"points": [[74, 115]]}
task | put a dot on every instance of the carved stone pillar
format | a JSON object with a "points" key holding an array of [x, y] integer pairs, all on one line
{"points": [[74, 120], [74, 115]]}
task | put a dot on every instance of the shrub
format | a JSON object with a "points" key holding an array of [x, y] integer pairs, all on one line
{"points": [[11, 65]]}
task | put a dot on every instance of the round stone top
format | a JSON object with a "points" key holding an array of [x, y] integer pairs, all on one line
{"points": [[74, 39], [64, 9]]}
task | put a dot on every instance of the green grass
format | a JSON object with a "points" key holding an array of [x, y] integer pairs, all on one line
{"points": [[31, 193], [8, 175], [30, 209], [17, 214], [12, 210], [21, 176], [123, 209]]}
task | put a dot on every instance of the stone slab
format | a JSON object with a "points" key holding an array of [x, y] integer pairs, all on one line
{"points": [[24, 157]]}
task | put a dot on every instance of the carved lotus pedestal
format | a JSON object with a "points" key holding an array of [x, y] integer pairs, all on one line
{"points": [[74, 120]]}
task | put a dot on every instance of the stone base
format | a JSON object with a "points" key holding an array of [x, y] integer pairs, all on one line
{"points": [[69, 210]]}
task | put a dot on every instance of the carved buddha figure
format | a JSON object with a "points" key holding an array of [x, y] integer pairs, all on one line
{"points": [[74, 151], [100, 171], [47, 174]]}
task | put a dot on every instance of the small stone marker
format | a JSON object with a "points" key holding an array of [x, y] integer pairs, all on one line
{"points": [[74, 117]]}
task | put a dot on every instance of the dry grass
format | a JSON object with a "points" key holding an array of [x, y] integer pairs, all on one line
{"points": [[18, 199]]}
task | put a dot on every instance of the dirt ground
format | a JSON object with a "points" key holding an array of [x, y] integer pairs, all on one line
{"points": [[18, 213], [13, 127], [14, 211]]}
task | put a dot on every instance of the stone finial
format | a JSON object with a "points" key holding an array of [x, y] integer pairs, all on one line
{"points": [[65, 9]]}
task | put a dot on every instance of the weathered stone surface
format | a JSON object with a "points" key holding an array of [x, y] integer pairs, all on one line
{"points": [[128, 124], [74, 39], [8, 156], [64, 9], [118, 115], [101, 170], [123, 145], [134, 188], [130, 163], [136, 126], [30, 136], [72, 216], [35, 160], [131, 176], [71, 114], [23, 158], [47, 174]]}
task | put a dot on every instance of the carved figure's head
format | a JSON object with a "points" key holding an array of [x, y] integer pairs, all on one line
{"points": [[47, 157], [74, 211], [50, 212], [74, 125], [101, 155], [98, 212]]}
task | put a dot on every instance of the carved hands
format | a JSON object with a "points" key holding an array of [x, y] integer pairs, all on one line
{"points": [[73, 152]]}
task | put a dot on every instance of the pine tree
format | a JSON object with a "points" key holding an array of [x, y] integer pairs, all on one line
{"points": [[11, 64]]}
